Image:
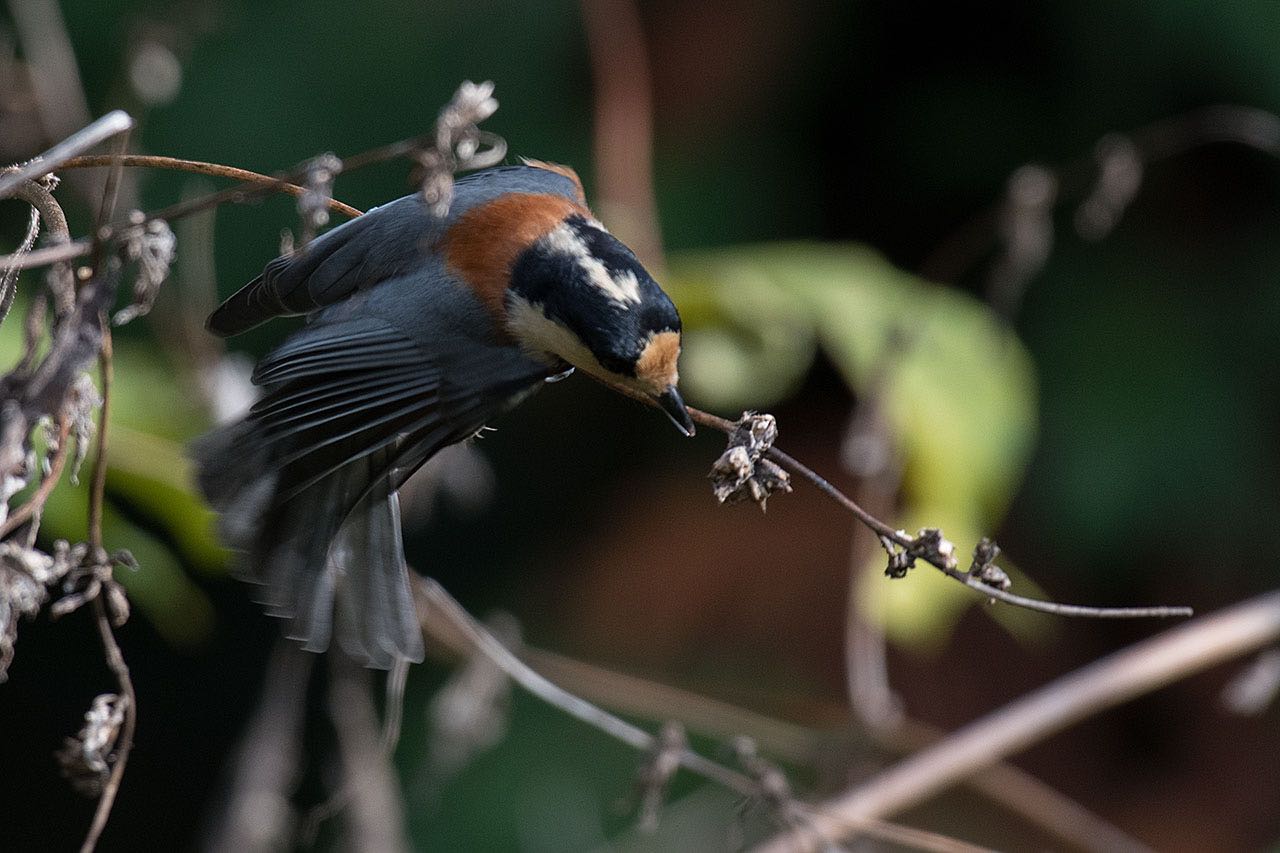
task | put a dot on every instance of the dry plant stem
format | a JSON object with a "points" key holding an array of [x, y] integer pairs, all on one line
{"points": [[900, 539], [115, 660], [40, 497], [46, 256], [111, 189], [1117, 678], [199, 167]]}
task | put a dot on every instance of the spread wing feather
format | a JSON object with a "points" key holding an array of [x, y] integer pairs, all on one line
{"points": [[306, 483]]}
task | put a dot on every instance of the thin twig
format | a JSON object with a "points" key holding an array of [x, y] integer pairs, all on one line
{"points": [[1117, 678], [46, 256], [200, 167], [901, 539], [110, 191], [115, 660]]}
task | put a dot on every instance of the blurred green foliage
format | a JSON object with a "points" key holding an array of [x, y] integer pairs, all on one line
{"points": [[151, 509]]}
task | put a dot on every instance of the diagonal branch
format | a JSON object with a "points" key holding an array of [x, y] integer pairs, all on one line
{"points": [[200, 167], [1115, 679]]}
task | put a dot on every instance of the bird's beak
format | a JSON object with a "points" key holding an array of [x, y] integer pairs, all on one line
{"points": [[673, 405]]}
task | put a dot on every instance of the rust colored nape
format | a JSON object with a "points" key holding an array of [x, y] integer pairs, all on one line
{"points": [[484, 243]]}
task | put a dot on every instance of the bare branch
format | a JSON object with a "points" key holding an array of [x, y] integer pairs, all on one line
{"points": [[199, 167], [115, 660], [935, 550], [1122, 676]]}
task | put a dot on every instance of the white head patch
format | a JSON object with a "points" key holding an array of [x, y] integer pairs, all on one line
{"points": [[620, 287]]}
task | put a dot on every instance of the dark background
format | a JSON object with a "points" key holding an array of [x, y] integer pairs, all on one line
{"points": [[1152, 478]]}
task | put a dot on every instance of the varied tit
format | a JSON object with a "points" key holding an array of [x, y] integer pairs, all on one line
{"points": [[420, 330]]}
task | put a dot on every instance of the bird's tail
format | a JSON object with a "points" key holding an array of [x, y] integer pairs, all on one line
{"points": [[330, 555]]}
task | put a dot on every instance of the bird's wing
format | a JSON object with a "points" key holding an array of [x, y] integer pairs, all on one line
{"points": [[386, 242], [342, 390]]}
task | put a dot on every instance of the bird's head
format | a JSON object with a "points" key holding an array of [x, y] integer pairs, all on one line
{"points": [[579, 294], [567, 291]]}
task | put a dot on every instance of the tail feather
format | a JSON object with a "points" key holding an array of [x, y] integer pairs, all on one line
{"points": [[329, 560]]}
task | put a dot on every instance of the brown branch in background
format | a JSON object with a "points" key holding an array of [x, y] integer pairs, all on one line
{"points": [[623, 126], [1117, 678]]}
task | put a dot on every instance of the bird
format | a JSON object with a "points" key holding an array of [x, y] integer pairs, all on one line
{"points": [[419, 331]]}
